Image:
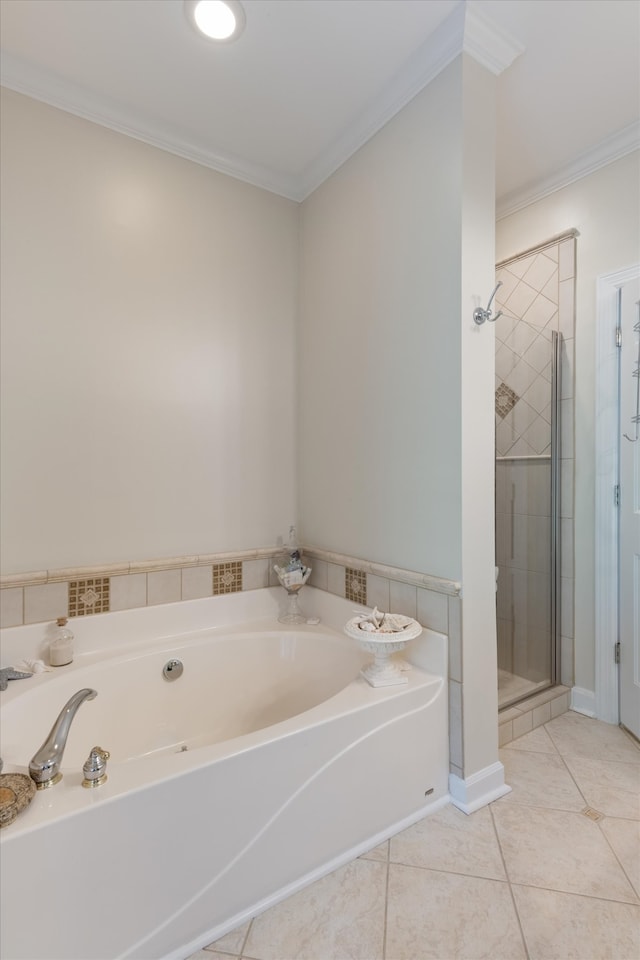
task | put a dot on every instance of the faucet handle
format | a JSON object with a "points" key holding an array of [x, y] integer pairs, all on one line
{"points": [[95, 768]]}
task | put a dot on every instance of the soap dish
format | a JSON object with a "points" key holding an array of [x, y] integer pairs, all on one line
{"points": [[16, 792]]}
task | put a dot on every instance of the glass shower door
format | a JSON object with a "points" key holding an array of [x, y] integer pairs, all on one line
{"points": [[527, 464]]}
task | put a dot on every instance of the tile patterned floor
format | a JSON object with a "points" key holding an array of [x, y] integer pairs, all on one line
{"points": [[549, 872]]}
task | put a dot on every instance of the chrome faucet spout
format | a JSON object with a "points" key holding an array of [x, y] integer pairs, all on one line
{"points": [[44, 768]]}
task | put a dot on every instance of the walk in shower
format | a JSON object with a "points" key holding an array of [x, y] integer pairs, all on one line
{"points": [[528, 408]]}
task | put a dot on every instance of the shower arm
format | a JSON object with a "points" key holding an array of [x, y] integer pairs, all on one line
{"points": [[480, 315]]}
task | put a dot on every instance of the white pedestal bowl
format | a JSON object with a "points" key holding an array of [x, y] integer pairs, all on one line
{"points": [[384, 672]]}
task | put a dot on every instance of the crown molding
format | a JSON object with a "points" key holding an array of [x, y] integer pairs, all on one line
{"points": [[615, 147], [431, 58], [464, 30], [21, 77], [487, 43]]}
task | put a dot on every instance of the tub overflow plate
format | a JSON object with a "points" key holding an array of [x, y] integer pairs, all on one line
{"points": [[172, 669]]}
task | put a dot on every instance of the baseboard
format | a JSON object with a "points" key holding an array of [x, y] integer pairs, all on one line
{"points": [[583, 701], [479, 789]]}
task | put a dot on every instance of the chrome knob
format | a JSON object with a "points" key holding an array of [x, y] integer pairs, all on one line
{"points": [[95, 768]]}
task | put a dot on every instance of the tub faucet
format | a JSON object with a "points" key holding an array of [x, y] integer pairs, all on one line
{"points": [[45, 766]]}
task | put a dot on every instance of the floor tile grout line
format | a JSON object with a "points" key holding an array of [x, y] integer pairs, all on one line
{"points": [[511, 894], [449, 873], [573, 893], [246, 936], [621, 865], [597, 824], [572, 756]]}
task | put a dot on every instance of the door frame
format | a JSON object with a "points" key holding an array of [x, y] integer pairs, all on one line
{"points": [[607, 380]]}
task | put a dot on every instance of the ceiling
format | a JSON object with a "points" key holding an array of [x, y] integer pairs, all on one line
{"points": [[309, 81]]}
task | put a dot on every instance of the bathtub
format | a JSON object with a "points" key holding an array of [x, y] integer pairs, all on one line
{"points": [[269, 762]]}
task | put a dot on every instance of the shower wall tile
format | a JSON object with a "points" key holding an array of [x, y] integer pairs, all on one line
{"points": [[550, 289], [46, 601], [540, 312], [567, 669], [538, 435], [11, 607], [403, 598], [522, 417], [509, 282], [521, 377], [504, 604], [197, 582], [566, 312], [566, 488], [164, 586], [531, 543], [521, 339], [505, 644], [531, 600], [378, 592], [566, 548], [520, 300], [520, 266], [335, 579], [540, 271], [505, 362], [538, 354], [538, 395], [128, 591], [566, 259], [567, 389], [566, 428], [566, 606]]}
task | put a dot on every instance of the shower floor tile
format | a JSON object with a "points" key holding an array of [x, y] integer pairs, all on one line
{"points": [[512, 687], [528, 876]]}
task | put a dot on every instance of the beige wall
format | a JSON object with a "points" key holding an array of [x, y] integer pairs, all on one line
{"points": [[605, 209], [148, 310], [379, 343], [396, 381]]}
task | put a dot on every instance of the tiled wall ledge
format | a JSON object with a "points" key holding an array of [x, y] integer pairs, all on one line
{"points": [[439, 585], [43, 595]]}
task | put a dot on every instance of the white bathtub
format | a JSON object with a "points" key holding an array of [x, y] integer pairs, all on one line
{"points": [[293, 765]]}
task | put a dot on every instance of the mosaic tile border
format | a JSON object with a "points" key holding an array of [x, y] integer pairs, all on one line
{"points": [[88, 596], [45, 595], [355, 585], [227, 577]]}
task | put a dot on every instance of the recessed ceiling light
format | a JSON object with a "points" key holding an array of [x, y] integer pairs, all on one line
{"points": [[216, 19]]}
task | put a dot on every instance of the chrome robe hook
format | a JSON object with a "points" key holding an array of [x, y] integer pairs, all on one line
{"points": [[480, 315]]}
